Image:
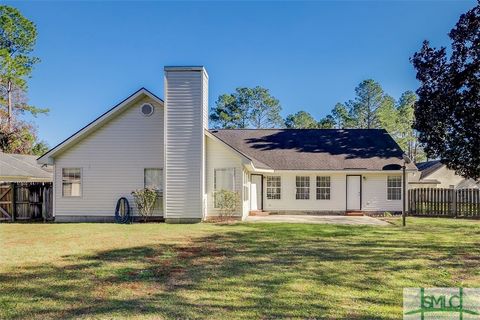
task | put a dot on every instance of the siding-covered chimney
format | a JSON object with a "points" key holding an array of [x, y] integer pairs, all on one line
{"points": [[186, 118]]}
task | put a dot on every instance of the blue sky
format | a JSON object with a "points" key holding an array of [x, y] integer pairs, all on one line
{"points": [[309, 54]]}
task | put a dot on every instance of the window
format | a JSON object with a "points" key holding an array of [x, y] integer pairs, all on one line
{"points": [[323, 188], [302, 188], [71, 182], [246, 181], [274, 187], [394, 188], [147, 109], [153, 178], [224, 179]]}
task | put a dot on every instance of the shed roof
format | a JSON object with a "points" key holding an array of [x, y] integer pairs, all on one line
{"points": [[20, 167], [316, 149]]}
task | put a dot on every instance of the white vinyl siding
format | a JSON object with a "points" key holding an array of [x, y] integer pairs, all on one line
{"points": [[112, 161], [302, 188], [444, 176], [221, 156], [374, 193], [288, 200], [71, 182], [323, 188], [246, 194], [153, 178], [394, 188], [185, 143], [246, 181], [223, 179], [274, 187]]}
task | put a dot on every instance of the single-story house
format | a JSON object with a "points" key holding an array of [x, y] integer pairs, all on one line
{"points": [[146, 141], [434, 174], [23, 168]]}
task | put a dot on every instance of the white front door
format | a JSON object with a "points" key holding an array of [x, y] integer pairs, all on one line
{"points": [[256, 192], [354, 190]]}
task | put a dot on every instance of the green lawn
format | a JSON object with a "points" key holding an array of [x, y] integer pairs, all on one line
{"points": [[155, 271]]}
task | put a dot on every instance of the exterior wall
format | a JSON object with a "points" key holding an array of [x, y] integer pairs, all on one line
{"points": [[289, 203], [374, 193], [446, 177], [245, 194], [221, 156], [185, 116], [112, 161]]}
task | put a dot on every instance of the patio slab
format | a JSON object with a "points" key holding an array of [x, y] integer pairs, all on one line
{"points": [[364, 220]]}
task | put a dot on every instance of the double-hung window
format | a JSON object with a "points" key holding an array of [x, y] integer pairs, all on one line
{"points": [[223, 179], [153, 178], [302, 184], [71, 182], [323, 188], [394, 188], [246, 182], [274, 187]]}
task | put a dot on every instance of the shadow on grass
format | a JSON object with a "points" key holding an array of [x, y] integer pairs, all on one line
{"points": [[246, 271]]}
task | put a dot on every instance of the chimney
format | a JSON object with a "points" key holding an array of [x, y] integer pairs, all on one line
{"points": [[186, 119]]}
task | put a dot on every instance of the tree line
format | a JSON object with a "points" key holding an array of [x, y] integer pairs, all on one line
{"points": [[371, 108], [442, 120]]}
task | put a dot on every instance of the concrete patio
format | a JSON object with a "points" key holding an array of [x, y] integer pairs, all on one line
{"points": [[363, 220]]}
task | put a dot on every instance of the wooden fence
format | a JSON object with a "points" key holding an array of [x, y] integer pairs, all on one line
{"points": [[26, 201], [442, 202]]}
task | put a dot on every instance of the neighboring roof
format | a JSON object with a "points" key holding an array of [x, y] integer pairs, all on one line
{"points": [[425, 181], [22, 167], [316, 149], [46, 158], [428, 167], [468, 184]]}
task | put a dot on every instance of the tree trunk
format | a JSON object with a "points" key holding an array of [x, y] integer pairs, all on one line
{"points": [[10, 106]]}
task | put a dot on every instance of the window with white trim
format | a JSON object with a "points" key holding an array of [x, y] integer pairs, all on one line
{"points": [[223, 179], [394, 188], [153, 178], [71, 182], [274, 187], [302, 184], [323, 188], [246, 181]]}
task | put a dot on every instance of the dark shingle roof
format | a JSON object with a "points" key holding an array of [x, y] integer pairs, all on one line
{"points": [[316, 149], [428, 167]]}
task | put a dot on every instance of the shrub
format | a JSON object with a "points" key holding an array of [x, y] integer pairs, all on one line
{"points": [[227, 202], [145, 200]]}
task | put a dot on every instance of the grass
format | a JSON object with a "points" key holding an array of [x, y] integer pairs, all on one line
{"points": [[156, 271]]}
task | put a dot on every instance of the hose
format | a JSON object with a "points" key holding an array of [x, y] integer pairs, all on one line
{"points": [[122, 216]]}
